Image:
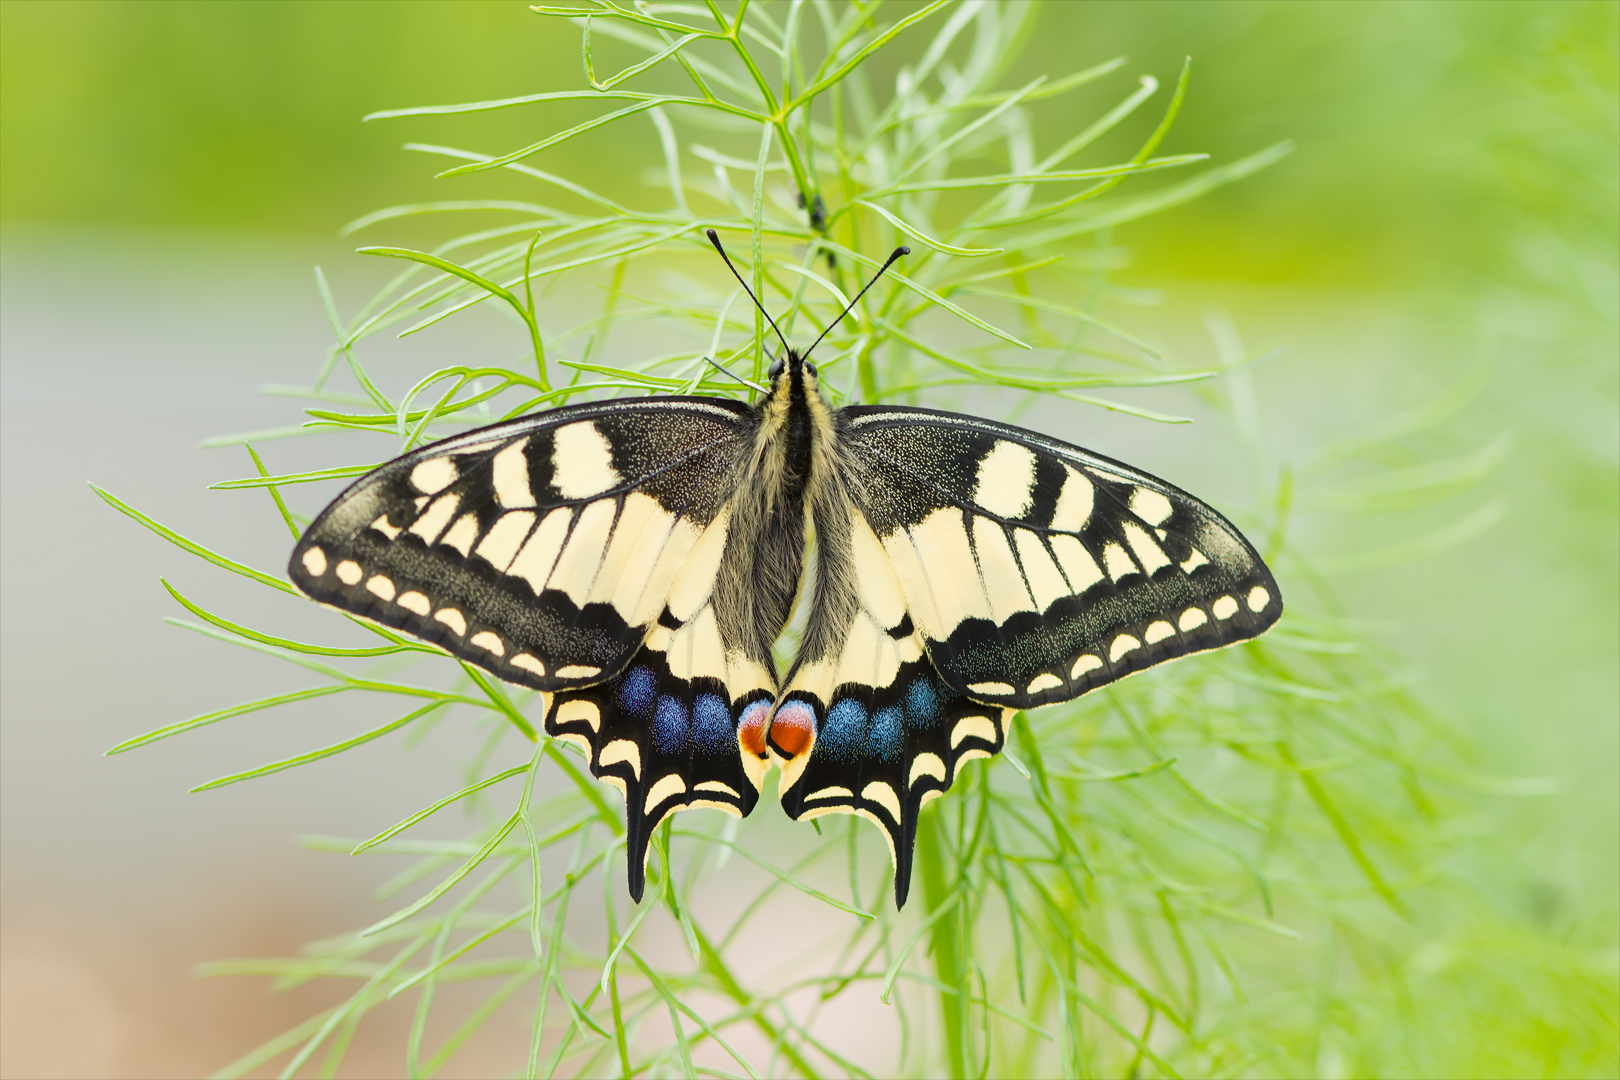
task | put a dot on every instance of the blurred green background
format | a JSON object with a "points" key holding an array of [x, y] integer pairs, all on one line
{"points": [[1422, 127], [1455, 177]]}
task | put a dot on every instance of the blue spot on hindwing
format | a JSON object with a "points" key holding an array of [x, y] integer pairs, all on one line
{"points": [[637, 688], [843, 733], [670, 724], [884, 740], [712, 730], [922, 702]]}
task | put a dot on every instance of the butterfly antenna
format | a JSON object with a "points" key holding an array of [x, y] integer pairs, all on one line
{"points": [[899, 251], [714, 238], [725, 370]]}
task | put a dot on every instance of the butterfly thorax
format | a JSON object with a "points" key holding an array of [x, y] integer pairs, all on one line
{"points": [[793, 435], [788, 466]]}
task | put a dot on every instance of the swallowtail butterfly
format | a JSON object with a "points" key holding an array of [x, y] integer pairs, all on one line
{"points": [[635, 560]]}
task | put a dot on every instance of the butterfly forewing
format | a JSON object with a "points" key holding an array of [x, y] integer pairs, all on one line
{"points": [[540, 549], [1036, 571]]}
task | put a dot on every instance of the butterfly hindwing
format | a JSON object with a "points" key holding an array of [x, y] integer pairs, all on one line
{"points": [[666, 740], [884, 752], [683, 724], [866, 725], [540, 549], [1037, 571]]}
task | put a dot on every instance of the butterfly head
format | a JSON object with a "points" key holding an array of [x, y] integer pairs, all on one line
{"points": [[793, 403], [789, 372]]}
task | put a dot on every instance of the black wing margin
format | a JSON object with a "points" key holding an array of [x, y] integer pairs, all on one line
{"points": [[1036, 570]]}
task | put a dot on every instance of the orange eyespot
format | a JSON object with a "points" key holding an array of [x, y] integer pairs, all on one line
{"points": [[793, 728], [752, 726]]}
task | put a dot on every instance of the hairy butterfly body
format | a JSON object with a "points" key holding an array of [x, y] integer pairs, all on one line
{"points": [[636, 560]]}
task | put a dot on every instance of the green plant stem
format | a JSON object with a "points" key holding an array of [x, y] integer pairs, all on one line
{"points": [[931, 855]]}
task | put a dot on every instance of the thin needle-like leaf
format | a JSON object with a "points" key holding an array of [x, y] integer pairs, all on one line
{"points": [[284, 643], [1070, 176], [225, 714], [945, 907], [275, 495], [475, 279], [323, 752], [448, 883], [923, 238], [420, 815], [560, 137], [190, 545], [928, 294], [341, 473], [635, 69], [810, 92]]}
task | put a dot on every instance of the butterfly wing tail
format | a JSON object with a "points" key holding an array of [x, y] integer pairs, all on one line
{"points": [[667, 743]]}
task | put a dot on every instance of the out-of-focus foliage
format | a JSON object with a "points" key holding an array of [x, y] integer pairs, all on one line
{"points": [[242, 116], [247, 116]]}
